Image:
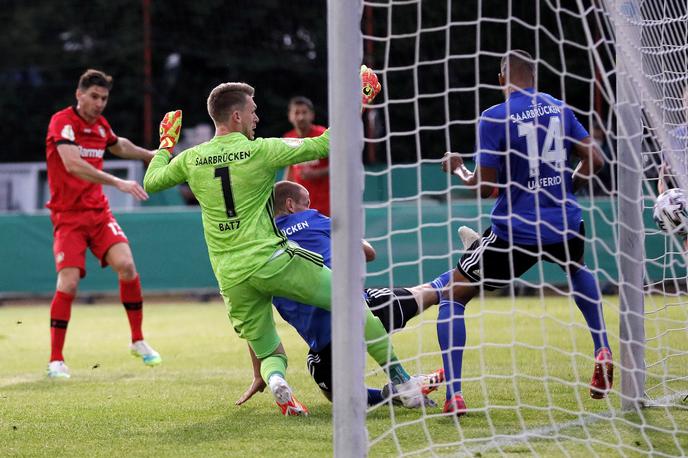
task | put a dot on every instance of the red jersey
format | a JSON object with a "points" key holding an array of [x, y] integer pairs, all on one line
{"points": [[67, 191], [319, 188]]}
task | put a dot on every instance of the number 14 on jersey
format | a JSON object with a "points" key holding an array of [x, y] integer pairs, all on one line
{"points": [[553, 151]]}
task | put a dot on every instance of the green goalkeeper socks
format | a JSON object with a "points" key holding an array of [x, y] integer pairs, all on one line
{"points": [[380, 348], [273, 364]]}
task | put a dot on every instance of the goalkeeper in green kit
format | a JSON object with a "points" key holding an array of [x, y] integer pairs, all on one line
{"points": [[232, 176]]}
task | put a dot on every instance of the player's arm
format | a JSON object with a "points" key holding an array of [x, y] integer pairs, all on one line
{"points": [[664, 176], [75, 165], [125, 149], [310, 173], [369, 251], [282, 152], [258, 384], [163, 171], [591, 161], [484, 177]]}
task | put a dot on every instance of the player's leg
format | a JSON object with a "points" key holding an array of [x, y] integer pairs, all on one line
{"points": [[69, 250], [393, 307], [120, 258], [489, 262], [250, 312], [111, 246], [319, 364], [60, 313], [300, 275], [586, 295]]}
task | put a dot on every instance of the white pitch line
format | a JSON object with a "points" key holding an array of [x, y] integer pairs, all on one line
{"points": [[501, 440]]}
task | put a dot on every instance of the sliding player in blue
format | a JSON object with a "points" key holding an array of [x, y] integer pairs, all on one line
{"points": [[311, 231], [524, 148]]}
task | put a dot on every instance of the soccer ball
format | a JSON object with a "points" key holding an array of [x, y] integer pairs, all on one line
{"points": [[671, 212]]}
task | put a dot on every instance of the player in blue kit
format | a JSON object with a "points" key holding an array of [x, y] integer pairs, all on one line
{"points": [[524, 149], [310, 230]]}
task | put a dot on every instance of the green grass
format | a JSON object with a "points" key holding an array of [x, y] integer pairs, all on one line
{"points": [[113, 405]]}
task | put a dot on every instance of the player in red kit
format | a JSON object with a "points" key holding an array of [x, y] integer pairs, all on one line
{"points": [[76, 141], [312, 175]]}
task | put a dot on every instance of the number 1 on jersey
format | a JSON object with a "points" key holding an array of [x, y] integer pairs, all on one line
{"points": [[223, 174]]}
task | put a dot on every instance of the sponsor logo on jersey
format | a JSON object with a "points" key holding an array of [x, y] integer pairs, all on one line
{"points": [[293, 142], [59, 257], [68, 133], [91, 152], [101, 131]]}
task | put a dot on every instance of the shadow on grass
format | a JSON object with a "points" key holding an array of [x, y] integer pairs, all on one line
{"points": [[247, 425]]}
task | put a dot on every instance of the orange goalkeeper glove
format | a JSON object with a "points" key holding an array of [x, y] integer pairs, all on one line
{"points": [[170, 126], [370, 85]]}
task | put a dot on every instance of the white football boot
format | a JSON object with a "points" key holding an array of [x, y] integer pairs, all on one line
{"points": [[142, 350], [58, 369], [468, 236]]}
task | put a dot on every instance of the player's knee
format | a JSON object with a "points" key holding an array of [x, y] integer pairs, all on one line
{"points": [[68, 281], [125, 268], [461, 289]]}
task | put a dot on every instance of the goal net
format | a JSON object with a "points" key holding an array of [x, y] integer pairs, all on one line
{"points": [[528, 359]]}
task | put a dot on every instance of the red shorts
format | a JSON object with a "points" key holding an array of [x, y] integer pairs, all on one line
{"points": [[75, 231]]}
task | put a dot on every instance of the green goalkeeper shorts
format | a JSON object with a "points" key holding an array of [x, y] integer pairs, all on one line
{"points": [[296, 274]]}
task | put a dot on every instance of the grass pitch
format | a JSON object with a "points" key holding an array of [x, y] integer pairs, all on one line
{"points": [[114, 405]]}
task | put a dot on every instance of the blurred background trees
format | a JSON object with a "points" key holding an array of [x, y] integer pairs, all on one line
{"points": [[280, 48]]}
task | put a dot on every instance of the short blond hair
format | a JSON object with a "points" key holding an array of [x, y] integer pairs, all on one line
{"points": [[226, 98]]}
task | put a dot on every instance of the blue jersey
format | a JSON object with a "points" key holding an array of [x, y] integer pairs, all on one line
{"points": [[529, 139], [310, 230]]}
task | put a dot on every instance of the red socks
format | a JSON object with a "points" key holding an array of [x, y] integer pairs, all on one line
{"points": [[60, 311], [130, 293]]}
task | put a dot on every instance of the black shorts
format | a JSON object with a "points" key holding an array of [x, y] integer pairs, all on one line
{"points": [[394, 307], [320, 367], [494, 263]]}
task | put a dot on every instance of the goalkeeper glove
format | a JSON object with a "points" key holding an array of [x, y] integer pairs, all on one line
{"points": [[170, 126], [370, 85]]}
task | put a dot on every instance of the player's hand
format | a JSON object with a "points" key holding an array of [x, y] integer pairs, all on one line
{"points": [[257, 385], [370, 86], [170, 126], [133, 188], [451, 162]]}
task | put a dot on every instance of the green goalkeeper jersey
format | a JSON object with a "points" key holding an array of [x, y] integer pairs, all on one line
{"points": [[232, 178]]}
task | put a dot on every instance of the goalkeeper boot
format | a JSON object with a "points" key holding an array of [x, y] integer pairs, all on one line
{"points": [[142, 350], [58, 369], [410, 393], [468, 236], [285, 399], [603, 375], [430, 382], [455, 405]]}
